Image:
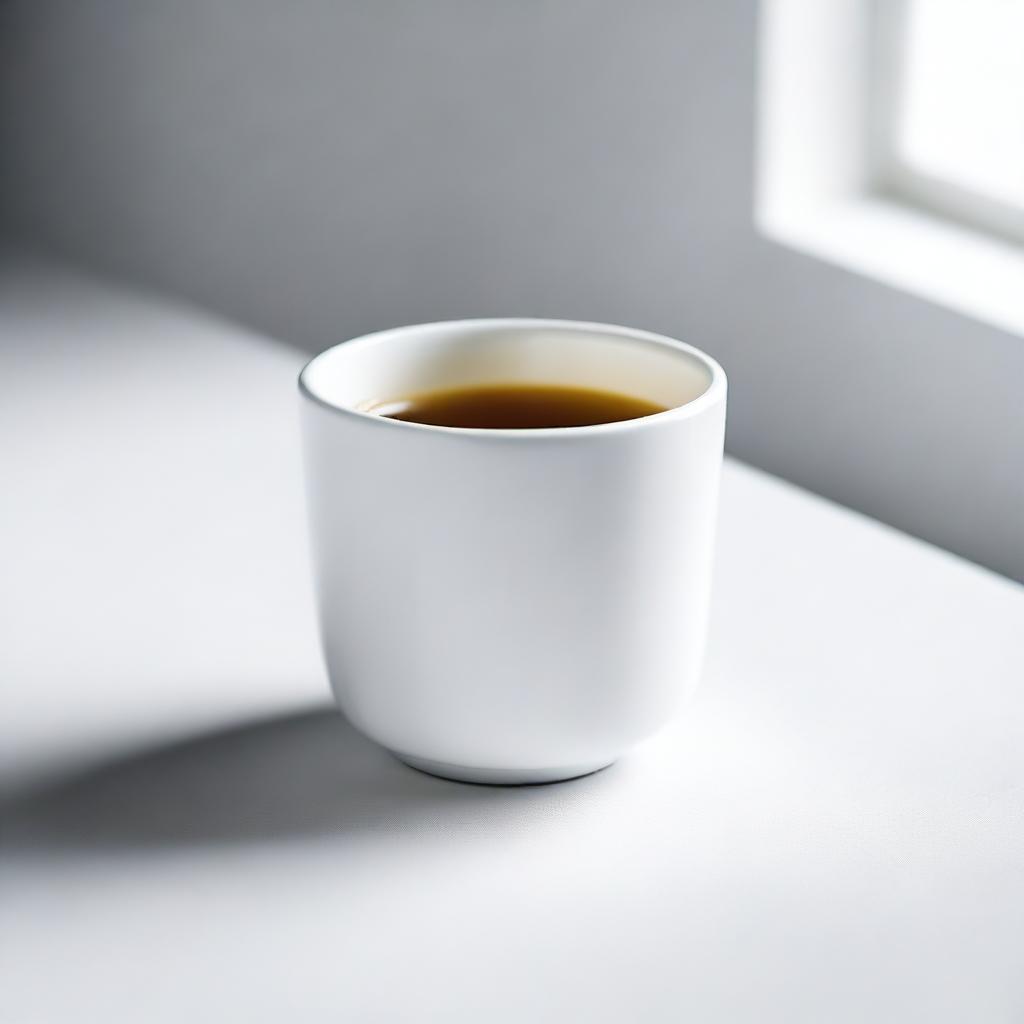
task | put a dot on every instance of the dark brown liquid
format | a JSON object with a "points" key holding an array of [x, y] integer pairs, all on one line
{"points": [[517, 407]]}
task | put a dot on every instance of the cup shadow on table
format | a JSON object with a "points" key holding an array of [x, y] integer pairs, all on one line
{"points": [[302, 775]]}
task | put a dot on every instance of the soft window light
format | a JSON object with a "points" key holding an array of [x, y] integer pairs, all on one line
{"points": [[961, 116]]}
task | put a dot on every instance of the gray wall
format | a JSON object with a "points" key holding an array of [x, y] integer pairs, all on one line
{"points": [[319, 169]]}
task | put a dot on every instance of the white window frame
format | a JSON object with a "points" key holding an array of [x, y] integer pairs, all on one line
{"points": [[830, 182], [891, 173]]}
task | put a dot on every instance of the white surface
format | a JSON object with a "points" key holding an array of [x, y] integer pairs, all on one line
{"points": [[516, 604], [832, 831]]}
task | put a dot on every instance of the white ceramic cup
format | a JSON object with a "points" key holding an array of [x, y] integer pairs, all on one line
{"points": [[512, 606]]}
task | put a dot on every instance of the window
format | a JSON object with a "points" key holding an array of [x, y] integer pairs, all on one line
{"points": [[892, 142], [949, 107]]}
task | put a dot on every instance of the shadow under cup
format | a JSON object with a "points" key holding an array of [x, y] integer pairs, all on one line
{"points": [[512, 606]]}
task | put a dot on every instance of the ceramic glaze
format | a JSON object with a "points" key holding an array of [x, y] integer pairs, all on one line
{"points": [[512, 606]]}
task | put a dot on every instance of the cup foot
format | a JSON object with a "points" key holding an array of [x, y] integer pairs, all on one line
{"points": [[500, 776]]}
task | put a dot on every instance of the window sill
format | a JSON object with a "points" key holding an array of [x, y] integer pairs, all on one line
{"points": [[884, 237], [823, 189]]}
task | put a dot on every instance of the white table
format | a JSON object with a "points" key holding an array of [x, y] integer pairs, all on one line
{"points": [[832, 832]]}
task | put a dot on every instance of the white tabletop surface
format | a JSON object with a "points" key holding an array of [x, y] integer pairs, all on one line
{"points": [[832, 831]]}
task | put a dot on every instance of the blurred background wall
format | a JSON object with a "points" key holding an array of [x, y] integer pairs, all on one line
{"points": [[320, 169]]}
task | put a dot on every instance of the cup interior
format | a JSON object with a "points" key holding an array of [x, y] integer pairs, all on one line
{"points": [[406, 361]]}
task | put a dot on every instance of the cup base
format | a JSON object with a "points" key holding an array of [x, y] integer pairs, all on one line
{"points": [[501, 776]]}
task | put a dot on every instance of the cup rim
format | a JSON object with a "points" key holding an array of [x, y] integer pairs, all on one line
{"points": [[714, 392]]}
